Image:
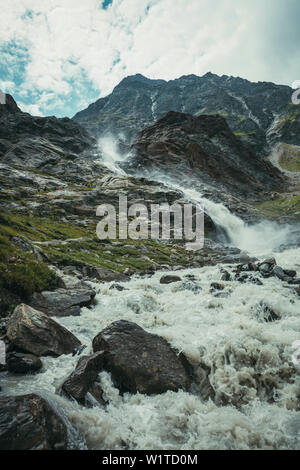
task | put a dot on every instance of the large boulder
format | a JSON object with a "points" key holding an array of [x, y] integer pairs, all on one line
{"points": [[28, 422], [63, 302], [84, 378], [33, 331], [20, 363], [140, 361]]}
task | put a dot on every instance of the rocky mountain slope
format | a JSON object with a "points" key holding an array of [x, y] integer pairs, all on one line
{"points": [[192, 149], [260, 113]]}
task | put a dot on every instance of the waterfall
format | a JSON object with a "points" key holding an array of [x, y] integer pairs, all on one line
{"points": [[110, 155], [259, 239]]}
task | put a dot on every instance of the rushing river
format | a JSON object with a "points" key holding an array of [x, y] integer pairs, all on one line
{"points": [[254, 372]]}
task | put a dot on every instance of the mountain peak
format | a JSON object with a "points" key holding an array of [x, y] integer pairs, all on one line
{"points": [[209, 75], [250, 109], [139, 79]]}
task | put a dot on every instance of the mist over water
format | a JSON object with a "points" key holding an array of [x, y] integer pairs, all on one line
{"points": [[110, 154], [259, 239]]}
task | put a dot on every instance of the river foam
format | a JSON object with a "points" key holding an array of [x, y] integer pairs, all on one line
{"points": [[256, 383]]}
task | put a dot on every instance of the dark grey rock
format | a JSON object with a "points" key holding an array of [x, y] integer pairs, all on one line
{"points": [[279, 272], [169, 279], [28, 422], [225, 275], [290, 273], [268, 313], [294, 281], [117, 287], [140, 361], [20, 363], [270, 261], [82, 380], [36, 333], [265, 268], [63, 302], [216, 286]]}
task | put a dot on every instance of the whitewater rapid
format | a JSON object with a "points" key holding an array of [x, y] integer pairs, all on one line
{"points": [[252, 370]]}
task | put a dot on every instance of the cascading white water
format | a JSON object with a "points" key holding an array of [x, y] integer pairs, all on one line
{"points": [[253, 370], [110, 156], [260, 238]]}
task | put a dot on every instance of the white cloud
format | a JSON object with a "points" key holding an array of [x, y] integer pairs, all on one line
{"points": [[75, 40], [32, 109], [7, 86]]}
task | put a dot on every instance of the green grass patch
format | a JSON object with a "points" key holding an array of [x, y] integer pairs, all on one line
{"points": [[281, 206], [41, 229], [291, 116], [21, 273], [130, 254], [244, 134], [290, 158]]}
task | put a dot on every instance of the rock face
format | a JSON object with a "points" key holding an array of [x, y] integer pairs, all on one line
{"points": [[20, 363], [169, 279], [63, 302], [84, 378], [10, 106], [33, 331], [58, 147], [28, 422], [259, 113], [140, 361], [64, 133], [202, 148]]}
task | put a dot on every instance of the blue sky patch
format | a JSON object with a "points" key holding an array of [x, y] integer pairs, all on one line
{"points": [[106, 3]]}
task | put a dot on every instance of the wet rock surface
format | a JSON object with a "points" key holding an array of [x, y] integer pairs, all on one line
{"points": [[28, 422], [20, 363], [169, 279], [36, 333], [140, 361], [84, 378]]}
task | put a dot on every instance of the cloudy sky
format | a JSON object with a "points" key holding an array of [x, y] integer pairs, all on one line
{"points": [[57, 56]]}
